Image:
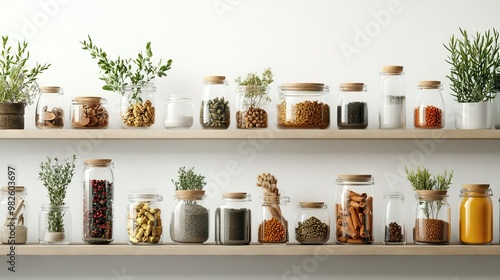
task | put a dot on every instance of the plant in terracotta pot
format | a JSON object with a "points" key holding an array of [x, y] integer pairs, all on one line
{"points": [[18, 86]]}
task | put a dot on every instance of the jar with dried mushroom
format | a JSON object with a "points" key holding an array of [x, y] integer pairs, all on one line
{"points": [[214, 111], [138, 106], [144, 222], [89, 112], [49, 108], [13, 212]]}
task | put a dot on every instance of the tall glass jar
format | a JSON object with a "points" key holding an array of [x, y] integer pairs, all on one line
{"points": [[89, 112], [394, 219], [178, 112], [189, 221], [233, 223], [476, 214], [429, 105], [215, 110], [138, 106], [252, 106], [144, 222], [54, 225], [273, 227], [354, 209], [13, 212], [432, 218], [352, 109], [392, 113], [98, 190], [50, 108], [312, 224]]}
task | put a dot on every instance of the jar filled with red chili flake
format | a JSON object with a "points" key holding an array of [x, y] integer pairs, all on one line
{"points": [[429, 106]]}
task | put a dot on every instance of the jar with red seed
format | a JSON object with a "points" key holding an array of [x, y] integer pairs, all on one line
{"points": [[429, 106]]}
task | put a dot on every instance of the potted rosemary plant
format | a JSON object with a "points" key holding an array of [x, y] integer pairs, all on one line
{"points": [[253, 97]]}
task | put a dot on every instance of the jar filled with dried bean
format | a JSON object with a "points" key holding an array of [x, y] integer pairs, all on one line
{"points": [[432, 218], [89, 112], [312, 225], [303, 105], [354, 209], [352, 109], [429, 106], [394, 220], [13, 211], [50, 108], [233, 219], [392, 114], [138, 106], [273, 227], [190, 218], [252, 108], [214, 111], [476, 214], [144, 222], [98, 189]]}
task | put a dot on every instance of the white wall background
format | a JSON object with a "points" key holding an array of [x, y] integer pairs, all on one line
{"points": [[303, 41]]}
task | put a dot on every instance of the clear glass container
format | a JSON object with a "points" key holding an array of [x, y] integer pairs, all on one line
{"points": [[252, 106], [144, 222], [352, 108], [137, 108], [54, 225], [432, 218], [303, 105], [392, 113], [476, 214], [215, 110], [89, 112], [354, 209], [98, 191], [312, 224], [50, 108], [189, 221], [13, 212], [273, 227], [394, 219], [233, 223], [178, 112], [429, 106]]}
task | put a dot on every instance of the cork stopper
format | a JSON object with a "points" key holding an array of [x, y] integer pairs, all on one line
{"points": [[355, 177], [17, 189], [352, 87], [50, 89], [215, 79], [234, 195], [308, 204], [189, 194], [429, 84], [98, 162], [392, 69], [303, 86], [430, 195], [476, 187], [88, 99]]}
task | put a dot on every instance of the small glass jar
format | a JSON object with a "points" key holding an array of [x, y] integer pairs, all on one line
{"points": [[189, 221], [352, 109], [432, 218], [233, 223], [429, 106], [252, 103], [394, 220], [215, 110], [144, 222], [89, 112], [303, 105], [392, 113], [178, 112], [312, 225], [50, 108], [354, 209], [138, 106], [13, 210], [98, 190], [273, 227], [54, 225], [476, 214]]}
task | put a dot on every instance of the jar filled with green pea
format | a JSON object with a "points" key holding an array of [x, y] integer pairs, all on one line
{"points": [[312, 224]]}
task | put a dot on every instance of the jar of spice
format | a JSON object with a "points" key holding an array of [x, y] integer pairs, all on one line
{"points": [[274, 224], [429, 105], [178, 112], [392, 113], [189, 221], [312, 224], [394, 220], [352, 109], [214, 112], [89, 112], [233, 220], [476, 214], [144, 222], [49, 108], [432, 218], [13, 212], [138, 106]]}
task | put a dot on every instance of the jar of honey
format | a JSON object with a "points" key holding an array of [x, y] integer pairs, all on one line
{"points": [[476, 214]]}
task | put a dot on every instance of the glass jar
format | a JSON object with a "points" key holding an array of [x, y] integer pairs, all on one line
{"points": [[144, 222], [432, 218], [352, 109], [138, 106], [252, 106], [214, 111], [189, 221], [354, 209], [429, 105], [89, 112], [392, 113], [273, 227], [49, 108], [303, 105], [394, 220], [476, 214], [13, 212], [178, 112], [233, 220], [54, 225], [98, 190], [312, 225]]}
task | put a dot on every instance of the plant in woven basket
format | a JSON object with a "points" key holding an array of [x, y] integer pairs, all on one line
{"points": [[253, 92]]}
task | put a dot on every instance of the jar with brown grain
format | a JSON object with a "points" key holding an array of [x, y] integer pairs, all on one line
{"points": [[312, 224], [252, 102], [432, 218], [273, 227], [476, 214], [50, 108], [429, 106], [215, 110], [89, 112], [352, 109]]}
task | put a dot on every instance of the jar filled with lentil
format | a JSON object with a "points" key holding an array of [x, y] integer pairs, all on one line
{"points": [[429, 106], [392, 114], [144, 221], [233, 219], [312, 225], [394, 219], [89, 112], [432, 218], [50, 108], [189, 221], [352, 109], [476, 214], [303, 105], [13, 215], [273, 227], [252, 102], [214, 111]]}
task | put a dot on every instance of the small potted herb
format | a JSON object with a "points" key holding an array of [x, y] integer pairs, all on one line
{"points": [[253, 97]]}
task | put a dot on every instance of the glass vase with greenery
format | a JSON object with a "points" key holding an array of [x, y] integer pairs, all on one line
{"points": [[253, 97]]}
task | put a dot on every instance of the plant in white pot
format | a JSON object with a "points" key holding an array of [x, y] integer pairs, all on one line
{"points": [[473, 60]]}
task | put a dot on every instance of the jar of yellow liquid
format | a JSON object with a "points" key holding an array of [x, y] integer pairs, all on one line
{"points": [[476, 214]]}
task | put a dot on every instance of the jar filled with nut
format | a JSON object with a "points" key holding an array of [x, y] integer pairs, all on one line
{"points": [[312, 225], [49, 108], [429, 106], [352, 109], [138, 106], [252, 106], [144, 222], [214, 111], [89, 112], [394, 219], [274, 224], [303, 105]]}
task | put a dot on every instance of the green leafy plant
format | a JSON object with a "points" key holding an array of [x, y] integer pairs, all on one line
{"points": [[188, 180], [473, 60], [256, 88], [17, 79]]}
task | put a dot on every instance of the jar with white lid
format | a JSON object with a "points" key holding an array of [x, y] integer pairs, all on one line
{"points": [[429, 106], [352, 109], [392, 114], [89, 112], [312, 224], [178, 112], [144, 221], [215, 110], [50, 108]]}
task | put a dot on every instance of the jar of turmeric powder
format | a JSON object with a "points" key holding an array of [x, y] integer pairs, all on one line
{"points": [[476, 214], [273, 227], [429, 106]]}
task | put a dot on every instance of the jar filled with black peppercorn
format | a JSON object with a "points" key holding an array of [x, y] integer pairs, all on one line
{"points": [[98, 189], [394, 224], [352, 109]]}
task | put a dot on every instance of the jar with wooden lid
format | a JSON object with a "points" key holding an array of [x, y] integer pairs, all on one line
{"points": [[13, 212], [476, 214], [303, 105], [233, 223], [273, 227], [392, 114], [190, 217], [215, 110], [429, 106], [352, 109], [312, 224], [432, 218], [50, 108], [89, 112]]}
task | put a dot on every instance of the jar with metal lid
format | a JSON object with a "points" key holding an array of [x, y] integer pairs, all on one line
{"points": [[252, 106], [354, 209], [98, 190], [273, 227], [394, 219], [312, 224], [476, 214], [137, 108], [13, 212], [89, 112], [178, 112], [50, 108], [432, 218], [392, 113], [352, 109], [429, 106], [144, 221], [214, 111], [189, 221], [233, 223], [303, 105]]}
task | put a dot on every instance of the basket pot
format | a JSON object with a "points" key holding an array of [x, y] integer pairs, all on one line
{"points": [[12, 115]]}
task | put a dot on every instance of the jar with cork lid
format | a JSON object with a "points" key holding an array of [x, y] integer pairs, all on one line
{"points": [[392, 114], [432, 218], [273, 227], [429, 106], [50, 108], [233, 219], [312, 224], [215, 110], [476, 214], [13, 212], [89, 112], [352, 109]]}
